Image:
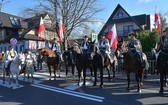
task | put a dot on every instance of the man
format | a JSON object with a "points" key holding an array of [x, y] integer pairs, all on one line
{"points": [[135, 47], [10, 55], [56, 47], [104, 47], [85, 45]]}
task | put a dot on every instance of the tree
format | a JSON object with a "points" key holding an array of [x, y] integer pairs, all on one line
{"points": [[148, 40], [163, 19], [73, 13], [2, 3]]}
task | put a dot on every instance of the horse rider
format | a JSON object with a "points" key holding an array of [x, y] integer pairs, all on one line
{"points": [[85, 45], [162, 61], [29, 56], [56, 47], [134, 45], [104, 47], [9, 56]]}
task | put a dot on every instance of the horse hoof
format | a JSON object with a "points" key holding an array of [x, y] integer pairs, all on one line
{"points": [[139, 91], [94, 84], [161, 91], [101, 86]]}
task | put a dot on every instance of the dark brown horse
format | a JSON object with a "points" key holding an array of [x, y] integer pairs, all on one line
{"points": [[100, 62], [51, 60], [69, 61], [131, 64]]}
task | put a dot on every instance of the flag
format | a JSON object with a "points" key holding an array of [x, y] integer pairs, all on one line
{"points": [[41, 29], [157, 22], [61, 31], [112, 35]]}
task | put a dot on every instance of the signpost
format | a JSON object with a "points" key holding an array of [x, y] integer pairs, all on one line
{"points": [[13, 41]]}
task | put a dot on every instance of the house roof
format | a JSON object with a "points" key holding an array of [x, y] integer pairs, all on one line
{"points": [[11, 21], [32, 23], [112, 21]]}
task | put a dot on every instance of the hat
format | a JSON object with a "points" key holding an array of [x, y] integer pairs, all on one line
{"points": [[86, 36], [132, 33]]}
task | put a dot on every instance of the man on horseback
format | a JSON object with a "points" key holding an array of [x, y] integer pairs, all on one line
{"points": [[10, 55], [162, 61], [135, 47], [104, 47], [85, 45], [56, 47]]}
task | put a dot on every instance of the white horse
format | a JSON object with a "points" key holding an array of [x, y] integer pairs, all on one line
{"points": [[14, 69]]}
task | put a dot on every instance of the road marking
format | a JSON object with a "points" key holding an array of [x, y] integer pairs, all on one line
{"points": [[68, 92], [75, 86]]}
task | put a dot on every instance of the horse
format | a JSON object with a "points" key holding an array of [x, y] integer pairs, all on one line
{"points": [[100, 62], [14, 69], [131, 64], [51, 60], [69, 61]]}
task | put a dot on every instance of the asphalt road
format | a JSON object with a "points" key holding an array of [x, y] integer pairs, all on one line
{"points": [[61, 92]]}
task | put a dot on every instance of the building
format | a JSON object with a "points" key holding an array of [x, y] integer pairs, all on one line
{"points": [[25, 31], [126, 23]]}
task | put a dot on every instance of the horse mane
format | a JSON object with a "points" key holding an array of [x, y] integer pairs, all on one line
{"points": [[48, 52]]}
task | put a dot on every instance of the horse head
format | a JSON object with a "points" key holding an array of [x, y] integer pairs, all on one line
{"points": [[17, 59]]}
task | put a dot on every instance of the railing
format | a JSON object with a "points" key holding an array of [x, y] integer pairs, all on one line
{"points": [[151, 69]]}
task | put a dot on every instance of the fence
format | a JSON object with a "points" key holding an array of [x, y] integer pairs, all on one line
{"points": [[150, 71]]}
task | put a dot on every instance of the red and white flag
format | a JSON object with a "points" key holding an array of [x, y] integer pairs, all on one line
{"points": [[41, 29], [61, 31], [157, 22], [112, 35]]}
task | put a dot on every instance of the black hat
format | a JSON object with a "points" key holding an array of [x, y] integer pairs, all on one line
{"points": [[132, 33], [86, 36]]}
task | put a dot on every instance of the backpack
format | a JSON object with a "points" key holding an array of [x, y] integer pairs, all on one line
{"points": [[0, 56], [165, 43]]}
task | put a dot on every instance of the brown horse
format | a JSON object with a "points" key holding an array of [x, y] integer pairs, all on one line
{"points": [[51, 60], [131, 64]]}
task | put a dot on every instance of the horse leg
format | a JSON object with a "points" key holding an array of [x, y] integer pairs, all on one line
{"points": [[138, 82], [113, 69], [66, 72], [49, 71], [73, 66], [16, 80], [128, 80], [84, 77], [91, 72], [79, 75], [101, 77], [95, 75], [109, 76]]}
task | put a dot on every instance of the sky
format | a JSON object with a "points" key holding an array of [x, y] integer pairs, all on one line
{"points": [[133, 7]]}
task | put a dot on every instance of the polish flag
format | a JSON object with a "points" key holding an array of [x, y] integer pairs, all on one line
{"points": [[112, 35], [61, 31], [41, 29], [157, 22]]}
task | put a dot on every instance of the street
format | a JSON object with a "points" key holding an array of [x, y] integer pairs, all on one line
{"points": [[60, 92]]}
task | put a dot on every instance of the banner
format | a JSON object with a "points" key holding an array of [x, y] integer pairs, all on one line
{"points": [[32, 44]]}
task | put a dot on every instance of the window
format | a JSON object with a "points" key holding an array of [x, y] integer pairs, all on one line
{"points": [[120, 14], [14, 21], [2, 33], [127, 29]]}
